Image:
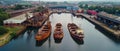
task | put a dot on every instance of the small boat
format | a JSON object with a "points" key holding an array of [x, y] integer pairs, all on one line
{"points": [[75, 31], [58, 33], [44, 32]]}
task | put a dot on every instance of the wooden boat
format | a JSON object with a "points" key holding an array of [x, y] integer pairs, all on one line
{"points": [[44, 32], [75, 31], [58, 32]]}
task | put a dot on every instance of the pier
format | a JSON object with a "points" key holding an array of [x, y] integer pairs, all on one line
{"points": [[115, 33]]}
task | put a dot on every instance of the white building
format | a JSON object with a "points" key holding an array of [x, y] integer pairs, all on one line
{"points": [[18, 19]]}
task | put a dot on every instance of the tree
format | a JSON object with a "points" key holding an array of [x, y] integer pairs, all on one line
{"points": [[13, 34], [110, 10], [81, 5], [86, 6], [92, 8], [3, 30], [3, 16], [39, 9], [18, 7]]}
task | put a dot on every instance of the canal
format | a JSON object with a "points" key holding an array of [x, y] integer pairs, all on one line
{"points": [[95, 39]]}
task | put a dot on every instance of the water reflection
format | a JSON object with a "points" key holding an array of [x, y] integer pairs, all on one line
{"points": [[58, 41], [79, 42], [29, 31], [49, 41], [21, 35], [40, 43], [29, 35]]}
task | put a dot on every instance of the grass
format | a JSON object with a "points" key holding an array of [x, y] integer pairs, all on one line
{"points": [[5, 38], [14, 29]]}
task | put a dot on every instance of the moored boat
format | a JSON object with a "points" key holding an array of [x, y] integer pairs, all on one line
{"points": [[58, 32], [75, 31], [44, 32]]}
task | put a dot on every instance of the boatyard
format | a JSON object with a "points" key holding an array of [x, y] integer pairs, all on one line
{"points": [[59, 26], [28, 39]]}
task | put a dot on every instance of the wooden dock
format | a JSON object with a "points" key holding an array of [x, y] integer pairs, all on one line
{"points": [[115, 33]]}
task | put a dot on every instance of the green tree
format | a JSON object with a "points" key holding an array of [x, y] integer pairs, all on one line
{"points": [[39, 9], [18, 7], [13, 34], [92, 8], [111, 10], [3, 30], [81, 6], [3, 16]]}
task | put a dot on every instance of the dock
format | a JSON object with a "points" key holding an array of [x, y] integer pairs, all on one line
{"points": [[37, 20], [115, 33]]}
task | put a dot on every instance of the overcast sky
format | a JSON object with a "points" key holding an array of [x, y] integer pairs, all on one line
{"points": [[77, 0]]}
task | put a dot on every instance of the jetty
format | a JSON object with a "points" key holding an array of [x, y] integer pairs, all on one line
{"points": [[115, 33]]}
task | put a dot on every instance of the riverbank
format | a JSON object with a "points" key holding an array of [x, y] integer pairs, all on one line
{"points": [[4, 39], [111, 31], [16, 30]]}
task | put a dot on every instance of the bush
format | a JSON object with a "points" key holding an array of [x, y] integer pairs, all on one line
{"points": [[13, 34], [3, 30]]}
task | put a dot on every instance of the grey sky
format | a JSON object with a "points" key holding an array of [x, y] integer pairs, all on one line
{"points": [[77, 0]]}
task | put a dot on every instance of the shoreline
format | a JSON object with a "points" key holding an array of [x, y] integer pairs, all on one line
{"points": [[7, 37]]}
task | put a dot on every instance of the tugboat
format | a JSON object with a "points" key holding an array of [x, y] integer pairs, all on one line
{"points": [[44, 32], [75, 32], [58, 33]]}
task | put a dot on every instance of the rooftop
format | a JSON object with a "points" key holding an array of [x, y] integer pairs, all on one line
{"points": [[110, 16], [18, 19]]}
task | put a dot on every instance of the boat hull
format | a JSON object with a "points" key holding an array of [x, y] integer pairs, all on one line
{"points": [[58, 33], [43, 32], [73, 33]]}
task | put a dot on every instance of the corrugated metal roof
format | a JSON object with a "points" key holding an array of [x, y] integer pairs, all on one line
{"points": [[18, 19], [109, 16]]}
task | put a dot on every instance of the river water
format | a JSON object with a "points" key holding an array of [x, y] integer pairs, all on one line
{"points": [[95, 38]]}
